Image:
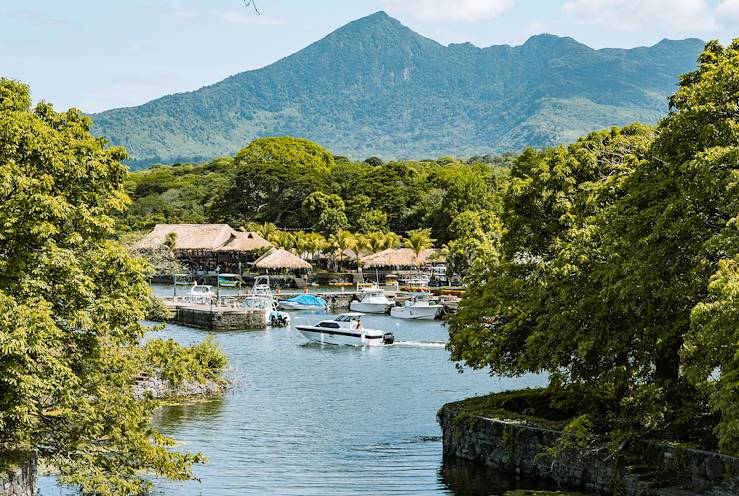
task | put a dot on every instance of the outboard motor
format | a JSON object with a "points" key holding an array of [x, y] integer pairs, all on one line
{"points": [[279, 319], [388, 338]]}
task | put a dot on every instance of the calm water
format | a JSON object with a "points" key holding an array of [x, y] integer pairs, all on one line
{"points": [[323, 420]]}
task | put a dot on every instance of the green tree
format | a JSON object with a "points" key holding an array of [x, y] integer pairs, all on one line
{"points": [[419, 240], [340, 242], [475, 242], [372, 220], [273, 177], [558, 313], [325, 213], [70, 305]]}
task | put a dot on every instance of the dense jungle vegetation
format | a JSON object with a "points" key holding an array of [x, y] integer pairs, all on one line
{"points": [[618, 271]]}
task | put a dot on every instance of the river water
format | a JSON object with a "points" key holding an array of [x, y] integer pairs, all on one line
{"points": [[309, 419]]}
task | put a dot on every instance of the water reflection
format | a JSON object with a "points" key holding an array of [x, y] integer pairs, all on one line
{"points": [[465, 478], [315, 419]]}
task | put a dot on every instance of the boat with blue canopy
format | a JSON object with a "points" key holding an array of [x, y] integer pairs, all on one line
{"points": [[304, 302]]}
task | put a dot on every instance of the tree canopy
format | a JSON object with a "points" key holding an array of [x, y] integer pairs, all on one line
{"points": [[70, 305], [618, 266]]}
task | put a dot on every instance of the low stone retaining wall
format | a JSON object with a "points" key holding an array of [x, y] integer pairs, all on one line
{"points": [[215, 318], [517, 448], [18, 475]]}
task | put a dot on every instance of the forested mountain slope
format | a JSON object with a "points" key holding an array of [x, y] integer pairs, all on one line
{"points": [[375, 87]]}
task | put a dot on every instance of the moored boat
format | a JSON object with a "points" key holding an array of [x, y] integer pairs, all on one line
{"points": [[200, 294], [304, 302], [418, 307], [346, 329], [229, 280], [371, 300], [262, 298]]}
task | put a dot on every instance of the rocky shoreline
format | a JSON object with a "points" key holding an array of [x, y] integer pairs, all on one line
{"points": [[156, 387]]}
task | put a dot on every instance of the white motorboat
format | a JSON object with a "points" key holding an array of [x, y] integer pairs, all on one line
{"points": [[415, 280], [201, 294], [371, 300], [262, 298], [346, 329], [417, 307]]}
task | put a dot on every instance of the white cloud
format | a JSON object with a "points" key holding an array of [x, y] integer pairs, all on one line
{"points": [[632, 15], [727, 13], [452, 10]]}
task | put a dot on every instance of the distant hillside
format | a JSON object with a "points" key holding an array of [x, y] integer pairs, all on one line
{"points": [[374, 87]]}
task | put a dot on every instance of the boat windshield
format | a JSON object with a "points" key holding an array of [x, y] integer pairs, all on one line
{"points": [[347, 318]]}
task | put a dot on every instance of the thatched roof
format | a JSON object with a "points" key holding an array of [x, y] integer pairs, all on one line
{"points": [[189, 236], [403, 257], [281, 259], [245, 241]]}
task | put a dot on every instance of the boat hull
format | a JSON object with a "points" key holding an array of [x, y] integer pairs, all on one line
{"points": [[339, 337], [358, 306], [416, 313], [285, 305]]}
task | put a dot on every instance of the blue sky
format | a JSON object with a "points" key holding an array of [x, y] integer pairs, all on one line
{"points": [[96, 55]]}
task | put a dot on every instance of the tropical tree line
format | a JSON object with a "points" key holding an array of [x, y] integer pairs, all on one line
{"points": [[615, 270], [335, 247], [295, 184]]}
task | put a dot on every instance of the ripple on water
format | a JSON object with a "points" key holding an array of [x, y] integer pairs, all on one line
{"points": [[324, 420]]}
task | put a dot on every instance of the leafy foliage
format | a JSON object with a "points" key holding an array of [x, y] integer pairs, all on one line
{"points": [[324, 196], [618, 267], [202, 362], [70, 305]]}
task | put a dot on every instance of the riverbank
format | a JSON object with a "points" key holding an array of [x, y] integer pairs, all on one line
{"points": [[18, 474], [511, 442]]}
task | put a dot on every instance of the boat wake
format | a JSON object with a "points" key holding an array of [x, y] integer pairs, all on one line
{"points": [[420, 344]]}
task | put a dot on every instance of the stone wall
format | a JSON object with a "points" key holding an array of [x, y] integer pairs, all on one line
{"points": [[18, 475], [517, 448], [218, 318]]}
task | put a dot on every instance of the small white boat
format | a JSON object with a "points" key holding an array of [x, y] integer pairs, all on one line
{"points": [[202, 294], [229, 280], [417, 307], [371, 300], [415, 280], [346, 329], [262, 298], [304, 302]]}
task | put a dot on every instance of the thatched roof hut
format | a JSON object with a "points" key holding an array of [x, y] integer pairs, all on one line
{"points": [[281, 260], [403, 257], [245, 241], [204, 237], [207, 237]]}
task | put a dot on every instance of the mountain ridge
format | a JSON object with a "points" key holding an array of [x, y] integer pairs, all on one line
{"points": [[375, 87]]}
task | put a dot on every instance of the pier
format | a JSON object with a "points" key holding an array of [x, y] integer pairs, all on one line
{"points": [[220, 315]]}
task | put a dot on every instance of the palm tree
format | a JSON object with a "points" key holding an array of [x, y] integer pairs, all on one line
{"points": [[392, 240], [283, 240], [302, 243], [265, 230], [375, 241], [419, 240], [170, 243], [341, 241], [314, 242]]}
